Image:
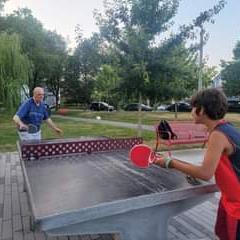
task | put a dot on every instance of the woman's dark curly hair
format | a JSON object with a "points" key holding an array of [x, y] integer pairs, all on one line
{"points": [[213, 102]]}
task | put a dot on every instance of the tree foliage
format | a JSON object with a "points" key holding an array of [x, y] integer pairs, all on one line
{"points": [[150, 65], [71, 84], [147, 66], [15, 69], [107, 83], [82, 68], [55, 63], [231, 73], [2, 2], [128, 60], [45, 49]]}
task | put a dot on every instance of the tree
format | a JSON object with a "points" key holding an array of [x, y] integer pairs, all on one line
{"points": [[236, 51], [173, 72], [131, 27], [54, 74], [55, 63], [30, 30], [82, 69], [134, 29], [206, 16], [37, 42], [106, 82], [71, 85], [15, 69], [231, 73], [208, 73], [2, 2]]}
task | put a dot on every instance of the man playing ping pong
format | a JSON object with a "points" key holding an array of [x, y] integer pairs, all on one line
{"points": [[222, 159], [30, 115]]}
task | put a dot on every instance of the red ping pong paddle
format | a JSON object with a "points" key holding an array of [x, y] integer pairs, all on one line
{"points": [[142, 155]]}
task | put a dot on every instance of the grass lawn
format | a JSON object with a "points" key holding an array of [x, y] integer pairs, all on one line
{"points": [[8, 135], [149, 118]]}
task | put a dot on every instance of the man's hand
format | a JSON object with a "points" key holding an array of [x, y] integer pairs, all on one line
{"points": [[59, 131], [22, 126], [54, 127]]}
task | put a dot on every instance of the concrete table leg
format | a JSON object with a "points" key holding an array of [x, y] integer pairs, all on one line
{"points": [[146, 223], [154, 231]]}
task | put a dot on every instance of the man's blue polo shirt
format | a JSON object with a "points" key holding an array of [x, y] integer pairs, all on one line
{"points": [[31, 113]]}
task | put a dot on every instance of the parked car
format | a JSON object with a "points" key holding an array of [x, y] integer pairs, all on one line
{"points": [[233, 106], [181, 107], [162, 108], [101, 106], [134, 107]]}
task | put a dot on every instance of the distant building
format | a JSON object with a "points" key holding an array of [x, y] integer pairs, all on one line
{"points": [[217, 81], [24, 93], [49, 97]]}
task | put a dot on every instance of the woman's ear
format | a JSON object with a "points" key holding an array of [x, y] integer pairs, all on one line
{"points": [[200, 111]]}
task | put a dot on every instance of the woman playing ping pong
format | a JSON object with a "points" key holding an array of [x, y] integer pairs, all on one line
{"points": [[222, 159]]}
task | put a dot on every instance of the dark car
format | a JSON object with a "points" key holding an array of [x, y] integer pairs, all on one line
{"points": [[134, 107], [181, 107], [101, 106], [233, 106]]}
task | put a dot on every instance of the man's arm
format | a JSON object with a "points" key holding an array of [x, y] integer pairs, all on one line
{"points": [[22, 112], [19, 123], [52, 125]]}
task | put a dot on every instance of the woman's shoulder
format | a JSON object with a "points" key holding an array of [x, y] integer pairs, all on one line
{"points": [[227, 127]]}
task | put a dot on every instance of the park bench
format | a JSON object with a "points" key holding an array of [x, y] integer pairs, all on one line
{"points": [[186, 133]]}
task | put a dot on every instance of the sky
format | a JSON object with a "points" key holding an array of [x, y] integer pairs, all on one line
{"points": [[64, 15]]}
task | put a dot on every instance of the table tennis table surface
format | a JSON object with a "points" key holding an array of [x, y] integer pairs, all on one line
{"points": [[70, 183]]}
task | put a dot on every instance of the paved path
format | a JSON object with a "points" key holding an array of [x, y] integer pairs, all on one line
{"points": [[194, 224], [107, 122]]}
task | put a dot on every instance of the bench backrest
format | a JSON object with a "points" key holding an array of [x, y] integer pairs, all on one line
{"points": [[189, 130]]}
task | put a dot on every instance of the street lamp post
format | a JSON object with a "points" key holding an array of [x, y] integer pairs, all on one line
{"points": [[200, 84]]}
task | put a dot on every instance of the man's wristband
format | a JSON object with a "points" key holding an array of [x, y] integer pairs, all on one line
{"points": [[167, 161]]}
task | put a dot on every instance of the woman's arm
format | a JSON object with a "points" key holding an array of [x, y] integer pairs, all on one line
{"points": [[217, 144]]}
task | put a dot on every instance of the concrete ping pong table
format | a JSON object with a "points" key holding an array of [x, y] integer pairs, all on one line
{"points": [[89, 186]]}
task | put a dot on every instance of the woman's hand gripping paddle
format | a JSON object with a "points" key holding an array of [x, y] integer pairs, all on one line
{"points": [[142, 156]]}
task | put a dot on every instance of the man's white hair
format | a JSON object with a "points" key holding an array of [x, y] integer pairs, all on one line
{"points": [[37, 90]]}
